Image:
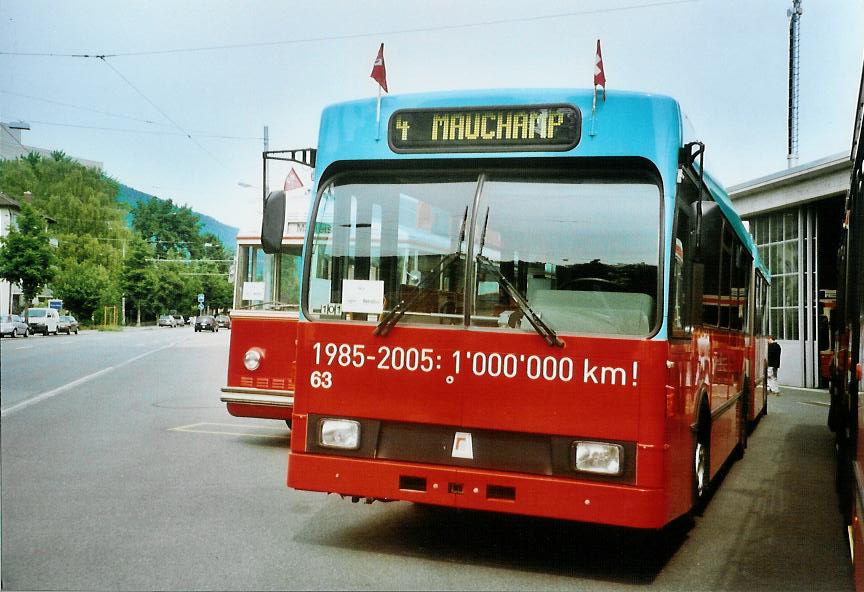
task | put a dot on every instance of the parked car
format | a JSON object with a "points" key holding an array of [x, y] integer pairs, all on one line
{"points": [[206, 323], [223, 321], [167, 321], [67, 324], [42, 320], [13, 326], [179, 321]]}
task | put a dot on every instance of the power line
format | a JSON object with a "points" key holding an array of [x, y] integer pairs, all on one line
{"points": [[53, 102], [497, 22], [120, 116], [160, 110], [148, 132]]}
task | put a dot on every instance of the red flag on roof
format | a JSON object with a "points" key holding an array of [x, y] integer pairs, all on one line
{"points": [[599, 74], [379, 70], [292, 181]]}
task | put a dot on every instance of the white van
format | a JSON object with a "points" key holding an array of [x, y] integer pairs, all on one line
{"points": [[42, 320]]}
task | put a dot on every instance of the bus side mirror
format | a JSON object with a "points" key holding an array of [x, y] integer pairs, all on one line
{"points": [[273, 222]]}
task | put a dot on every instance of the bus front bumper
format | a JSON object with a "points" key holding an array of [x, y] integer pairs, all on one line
{"points": [[247, 402], [532, 495]]}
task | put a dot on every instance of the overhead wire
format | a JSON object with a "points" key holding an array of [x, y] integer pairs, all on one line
{"points": [[144, 131], [103, 57], [521, 19], [200, 134], [162, 111]]}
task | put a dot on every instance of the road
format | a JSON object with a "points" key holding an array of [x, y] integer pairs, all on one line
{"points": [[121, 470]]}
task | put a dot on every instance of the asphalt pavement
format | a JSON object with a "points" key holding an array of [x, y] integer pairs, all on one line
{"points": [[121, 470]]}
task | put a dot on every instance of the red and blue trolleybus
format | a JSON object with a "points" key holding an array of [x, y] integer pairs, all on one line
{"points": [[510, 303]]}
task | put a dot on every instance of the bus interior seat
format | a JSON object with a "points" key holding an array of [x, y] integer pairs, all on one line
{"points": [[617, 313]]}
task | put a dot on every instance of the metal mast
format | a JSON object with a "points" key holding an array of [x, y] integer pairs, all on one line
{"points": [[794, 15]]}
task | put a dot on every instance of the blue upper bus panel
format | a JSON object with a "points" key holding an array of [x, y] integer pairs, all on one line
{"points": [[626, 124]]}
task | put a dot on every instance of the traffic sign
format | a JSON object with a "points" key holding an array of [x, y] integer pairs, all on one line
{"points": [[201, 306], [56, 304], [200, 299]]}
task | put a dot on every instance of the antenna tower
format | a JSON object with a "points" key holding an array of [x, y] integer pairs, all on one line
{"points": [[794, 15]]}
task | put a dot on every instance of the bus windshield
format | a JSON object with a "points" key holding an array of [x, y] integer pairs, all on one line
{"points": [[582, 250], [267, 282]]}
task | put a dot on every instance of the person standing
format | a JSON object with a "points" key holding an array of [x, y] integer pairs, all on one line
{"points": [[773, 365]]}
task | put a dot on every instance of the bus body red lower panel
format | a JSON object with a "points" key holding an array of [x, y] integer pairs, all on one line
{"points": [[260, 411], [600, 503], [415, 391]]}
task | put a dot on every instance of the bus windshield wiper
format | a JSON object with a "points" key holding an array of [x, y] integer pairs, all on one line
{"points": [[398, 311], [542, 328]]}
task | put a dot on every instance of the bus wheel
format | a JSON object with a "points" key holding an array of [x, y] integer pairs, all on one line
{"points": [[701, 466], [288, 423]]}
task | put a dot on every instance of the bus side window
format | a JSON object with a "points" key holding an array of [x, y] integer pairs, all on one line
{"points": [[741, 266]]}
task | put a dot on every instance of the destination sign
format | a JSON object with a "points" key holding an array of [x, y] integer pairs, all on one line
{"points": [[486, 129]]}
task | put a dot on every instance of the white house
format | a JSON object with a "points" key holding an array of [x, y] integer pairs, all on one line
{"points": [[8, 215]]}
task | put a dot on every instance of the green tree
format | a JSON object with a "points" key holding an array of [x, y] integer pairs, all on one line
{"points": [[214, 267], [138, 278], [84, 288], [168, 227], [87, 222], [26, 255]]}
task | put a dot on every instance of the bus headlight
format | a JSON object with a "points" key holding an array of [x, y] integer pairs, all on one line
{"points": [[339, 433], [598, 457], [252, 359]]}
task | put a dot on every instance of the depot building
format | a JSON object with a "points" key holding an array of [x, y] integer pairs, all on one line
{"points": [[796, 217]]}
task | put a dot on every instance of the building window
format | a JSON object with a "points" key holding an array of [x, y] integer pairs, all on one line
{"points": [[776, 236]]}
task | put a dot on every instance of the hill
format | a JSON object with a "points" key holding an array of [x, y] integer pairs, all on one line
{"points": [[226, 234]]}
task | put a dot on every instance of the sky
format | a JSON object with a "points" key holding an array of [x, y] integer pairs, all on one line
{"points": [[180, 109]]}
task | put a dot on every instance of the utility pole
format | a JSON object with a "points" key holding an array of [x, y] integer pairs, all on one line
{"points": [[123, 301], [266, 161], [794, 15]]}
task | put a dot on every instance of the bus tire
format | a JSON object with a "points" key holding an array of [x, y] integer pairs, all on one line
{"points": [[702, 461], [288, 423]]}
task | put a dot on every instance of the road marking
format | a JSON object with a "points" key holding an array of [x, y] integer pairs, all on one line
{"points": [[231, 430], [48, 394], [25, 347], [814, 403]]}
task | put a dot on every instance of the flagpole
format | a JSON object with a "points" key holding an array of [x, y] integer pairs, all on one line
{"points": [[593, 111], [378, 116]]}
